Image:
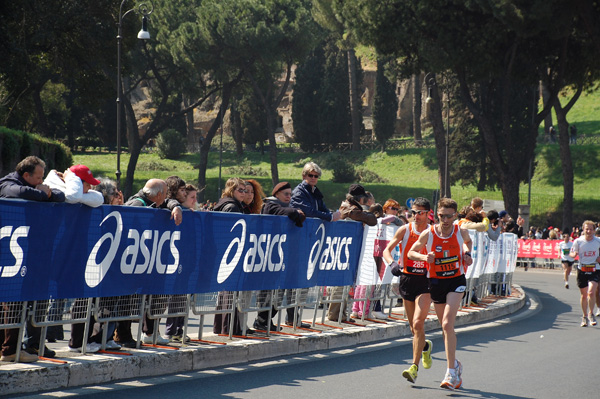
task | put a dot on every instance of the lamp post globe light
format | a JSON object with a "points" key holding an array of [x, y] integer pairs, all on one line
{"points": [[144, 10]]}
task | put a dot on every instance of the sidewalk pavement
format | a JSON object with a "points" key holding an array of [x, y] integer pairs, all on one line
{"points": [[70, 369]]}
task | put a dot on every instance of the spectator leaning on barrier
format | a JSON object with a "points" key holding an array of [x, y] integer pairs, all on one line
{"points": [[307, 197], [76, 182], [191, 197], [354, 207], [279, 204], [472, 220], [111, 194], [176, 191], [253, 200], [25, 183], [231, 201], [392, 208], [153, 195], [495, 228]]}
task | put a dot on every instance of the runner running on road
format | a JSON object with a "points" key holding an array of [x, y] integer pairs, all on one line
{"points": [[414, 285], [448, 255], [566, 259], [588, 271]]}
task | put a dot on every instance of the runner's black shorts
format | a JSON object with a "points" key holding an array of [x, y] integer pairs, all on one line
{"points": [[412, 285], [583, 278], [440, 287], [569, 263]]}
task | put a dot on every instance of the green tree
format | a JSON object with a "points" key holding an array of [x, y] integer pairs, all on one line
{"points": [[328, 13], [321, 107], [45, 45], [385, 106], [495, 50], [284, 33], [306, 101]]}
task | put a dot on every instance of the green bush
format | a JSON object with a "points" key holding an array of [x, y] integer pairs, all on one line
{"points": [[364, 175], [245, 169], [151, 166], [17, 145], [342, 169], [170, 144]]}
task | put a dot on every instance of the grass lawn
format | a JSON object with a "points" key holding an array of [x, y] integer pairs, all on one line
{"points": [[409, 173]]}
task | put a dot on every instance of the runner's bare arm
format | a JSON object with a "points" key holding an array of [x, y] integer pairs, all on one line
{"points": [[414, 253], [387, 252], [467, 246]]}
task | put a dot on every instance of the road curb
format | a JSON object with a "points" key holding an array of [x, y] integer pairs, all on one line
{"points": [[98, 369]]}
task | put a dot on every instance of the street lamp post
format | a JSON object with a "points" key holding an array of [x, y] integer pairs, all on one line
{"points": [[143, 34]]}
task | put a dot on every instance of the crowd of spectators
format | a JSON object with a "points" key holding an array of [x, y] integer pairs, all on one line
{"points": [[78, 185]]}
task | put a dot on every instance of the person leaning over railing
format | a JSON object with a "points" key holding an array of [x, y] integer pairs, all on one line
{"points": [[279, 204], [177, 190], [153, 195], [231, 201], [307, 197], [76, 182], [354, 207], [26, 182]]}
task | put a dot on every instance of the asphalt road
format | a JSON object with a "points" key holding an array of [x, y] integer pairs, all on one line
{"points": [[539, 352]]}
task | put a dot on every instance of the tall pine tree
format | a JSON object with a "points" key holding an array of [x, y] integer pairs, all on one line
{"points": [[385, 105]]}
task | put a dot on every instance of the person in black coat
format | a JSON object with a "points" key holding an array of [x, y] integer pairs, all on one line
{"points": [[279, 204], [231, 201]]}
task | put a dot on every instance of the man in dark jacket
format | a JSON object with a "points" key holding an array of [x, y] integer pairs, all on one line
{"points": [[279, 204], [154, 195], [307, 197], [25, 183]]}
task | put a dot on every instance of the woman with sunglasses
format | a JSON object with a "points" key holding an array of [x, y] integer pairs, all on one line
{"points": [[308, 198], [231, 201], [391, 209]]}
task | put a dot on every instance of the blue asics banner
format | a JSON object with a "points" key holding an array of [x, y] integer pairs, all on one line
{"points": [[50, 250]]}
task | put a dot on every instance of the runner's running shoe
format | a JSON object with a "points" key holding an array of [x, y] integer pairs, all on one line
{"points": [[451, 381], [411, 373], [584, 322], [426, 358], [459, 370], [592, 319]]}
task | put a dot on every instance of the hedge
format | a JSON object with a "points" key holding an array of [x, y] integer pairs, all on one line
{"points": [[16, 145]]}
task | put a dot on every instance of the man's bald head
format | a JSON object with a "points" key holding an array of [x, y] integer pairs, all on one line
{"points": [[156, 191]]}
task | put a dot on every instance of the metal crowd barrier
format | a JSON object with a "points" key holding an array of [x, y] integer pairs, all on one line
{"points": [[160, 306], [548, 263], [58, 312], [214, 303], [254, 301], [14, 315], [114, 309]]}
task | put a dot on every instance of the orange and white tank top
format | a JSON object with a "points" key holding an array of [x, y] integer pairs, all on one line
{"points": [[448, 251], [416, 267]]}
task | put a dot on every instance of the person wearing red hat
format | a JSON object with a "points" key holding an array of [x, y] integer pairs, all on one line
{"points": [[76, 183]]}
